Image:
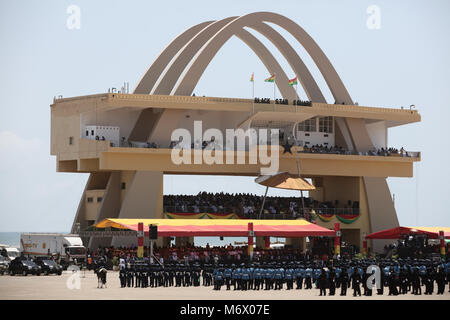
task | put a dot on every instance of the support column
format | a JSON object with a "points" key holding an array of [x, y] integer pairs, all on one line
{"points": [[364, 250], [382, 213], [251, 234], [109, 208], [143, 198], [140, 240], [442, 242], [337, 239]]}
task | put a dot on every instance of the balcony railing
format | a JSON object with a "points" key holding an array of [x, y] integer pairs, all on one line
{"points": [[333, 150], [283, 214]]}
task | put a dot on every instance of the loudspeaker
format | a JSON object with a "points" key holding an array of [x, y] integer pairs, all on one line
{"points": [[153, 232]]}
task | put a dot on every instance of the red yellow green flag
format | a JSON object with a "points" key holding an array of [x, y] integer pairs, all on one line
{"points": [[293, 81], [251, 79], [270, 79]]}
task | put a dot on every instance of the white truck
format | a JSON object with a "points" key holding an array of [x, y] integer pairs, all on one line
{"points": [[11, 252], [68, 248]]}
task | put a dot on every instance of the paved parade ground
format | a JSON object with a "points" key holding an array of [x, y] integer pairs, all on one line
{"points": [[57, 287]]}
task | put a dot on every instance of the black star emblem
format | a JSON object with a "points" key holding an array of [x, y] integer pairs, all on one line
{"points": [[287, 147]]}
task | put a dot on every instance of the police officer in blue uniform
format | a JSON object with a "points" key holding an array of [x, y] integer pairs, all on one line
{"points": [[218, 278], [227, 275], [299, 276], [308, 277], [289, 276]]}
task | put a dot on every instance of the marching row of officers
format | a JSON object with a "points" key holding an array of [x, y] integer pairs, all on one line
{"points": [[398, 277]]}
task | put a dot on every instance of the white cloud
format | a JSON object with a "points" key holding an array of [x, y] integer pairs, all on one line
{"points": [[33, 196]]}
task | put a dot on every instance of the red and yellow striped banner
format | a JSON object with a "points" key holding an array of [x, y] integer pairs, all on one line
{"points": [[185, 215], [203, 215], [347, 218], [325, 217]]}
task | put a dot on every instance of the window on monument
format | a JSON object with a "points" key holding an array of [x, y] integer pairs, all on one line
{"points": [[90, 199], [326, 124], [123, 185], [70, 140], [99, 199], [308, 125]]}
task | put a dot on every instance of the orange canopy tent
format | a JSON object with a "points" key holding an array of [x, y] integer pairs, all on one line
{"points": [[285, 180], [398, 232], [220, 227]]}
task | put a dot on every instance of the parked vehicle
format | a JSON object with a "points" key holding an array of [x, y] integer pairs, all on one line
{"points": [[23, 266], [48, 266], [9, 252], [12, 253], [4, 265], [67, 248]]}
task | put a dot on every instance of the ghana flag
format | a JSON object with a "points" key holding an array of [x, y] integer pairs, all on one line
{"points": [[293, 81], [270, 79], [251, 79]]}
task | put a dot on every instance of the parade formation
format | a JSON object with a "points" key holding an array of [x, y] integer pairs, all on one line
{"points": [[395, 277]]}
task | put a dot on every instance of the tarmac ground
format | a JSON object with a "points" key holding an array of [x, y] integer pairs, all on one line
{"points": [[76, 286]]}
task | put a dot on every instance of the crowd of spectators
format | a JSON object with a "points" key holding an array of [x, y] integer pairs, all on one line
{"points": [[190, 254], [249, 205], [340, 150], [324, 149], [417, 247]]}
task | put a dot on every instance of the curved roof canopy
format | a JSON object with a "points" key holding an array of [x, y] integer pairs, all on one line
{"points": [[285, 180], [398, 232], [221, 227]]}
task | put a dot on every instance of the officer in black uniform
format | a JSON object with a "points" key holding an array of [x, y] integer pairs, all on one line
{"points": [[322, 282], [356, 281], [123, 277], [392, 284], [380, 290], [144, 276], [344, 281], [440, 279], [152, 275], [137, 275], [428, 281], [196, 275], [417, 288], [187, 277], [331, 281], [130, 276], [178, 275]]}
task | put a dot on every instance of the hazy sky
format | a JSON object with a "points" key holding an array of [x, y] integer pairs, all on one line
{"points": [[404, 62]]}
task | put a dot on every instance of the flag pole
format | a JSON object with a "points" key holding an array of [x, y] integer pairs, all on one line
{"points": [[296, 95], [253, 92], [274, 77]]}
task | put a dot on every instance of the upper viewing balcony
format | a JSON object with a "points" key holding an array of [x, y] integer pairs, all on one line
{"points": [[101, 132], [112, 101]]}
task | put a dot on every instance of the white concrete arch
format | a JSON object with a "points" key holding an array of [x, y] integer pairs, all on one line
{"points": [[305, 77], [207, 53], [152, 74], [147, 120], [169, 119], [176, 67], [269, 61]]}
